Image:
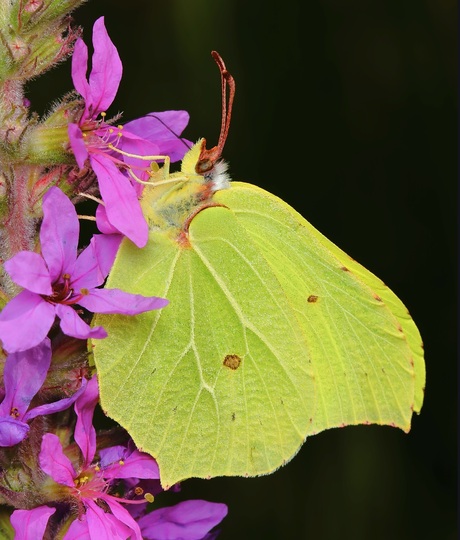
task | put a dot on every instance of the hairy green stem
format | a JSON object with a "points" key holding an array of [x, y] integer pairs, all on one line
{"points": [[18, 231]]}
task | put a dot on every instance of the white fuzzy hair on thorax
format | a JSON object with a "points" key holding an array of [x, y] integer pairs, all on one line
{"points": [[219, 176]]}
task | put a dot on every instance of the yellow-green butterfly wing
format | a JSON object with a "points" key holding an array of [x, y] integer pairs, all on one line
{"points": [[366, 351], [272, 334]]}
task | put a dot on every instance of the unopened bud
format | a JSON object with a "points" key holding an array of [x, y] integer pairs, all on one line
{"points": [[48, 142]]}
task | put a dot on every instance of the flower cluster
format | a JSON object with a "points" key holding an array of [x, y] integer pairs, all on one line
{"points": [[75, 482], [87, 485], [112, 151]]}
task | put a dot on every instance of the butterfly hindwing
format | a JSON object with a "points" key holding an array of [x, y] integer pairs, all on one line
{"points": [[220, 381]]}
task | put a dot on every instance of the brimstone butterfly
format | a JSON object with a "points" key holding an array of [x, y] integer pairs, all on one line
{"points": [[272, 333]]}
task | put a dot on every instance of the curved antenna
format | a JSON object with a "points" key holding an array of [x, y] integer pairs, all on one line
{"points": [[209, 157]]}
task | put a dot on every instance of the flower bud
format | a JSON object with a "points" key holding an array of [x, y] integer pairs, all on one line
{"points": [[48, 142], [35, 37]]}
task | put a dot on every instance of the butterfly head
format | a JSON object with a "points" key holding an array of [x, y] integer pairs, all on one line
{"points": [[212, 169]]}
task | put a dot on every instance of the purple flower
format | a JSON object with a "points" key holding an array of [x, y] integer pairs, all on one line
{"points": [[31, 524], [107, 146], [24, 374], [89, 483], [187, 520], [58, 279]]}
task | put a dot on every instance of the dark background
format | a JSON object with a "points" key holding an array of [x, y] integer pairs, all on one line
{"points": [[347, 111]]}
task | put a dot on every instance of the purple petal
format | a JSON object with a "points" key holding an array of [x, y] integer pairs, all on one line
{"points": [[103, 223], [103, 525], [24, 374], [12, 431], [79, 69], [124, 517], [106, 249], [77, 143], [78, 529], [136, 465], [85, 434], [54, 462], [73, 325], [25, 321], [59, 233], [175, 148], [187, 520], [116, 301], [106, 69], [212, 535], [163, 129], [28, 269], [57, 406], [121, 202], [138, 146], [156, 126], [138, 510], [87, 272], [95, 262], [31, 524], [111, 455]]}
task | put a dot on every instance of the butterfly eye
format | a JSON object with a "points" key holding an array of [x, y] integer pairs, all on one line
{"points": [[204, 166]]}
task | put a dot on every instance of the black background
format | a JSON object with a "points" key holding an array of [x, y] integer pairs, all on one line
{"points": [[346, 110]]}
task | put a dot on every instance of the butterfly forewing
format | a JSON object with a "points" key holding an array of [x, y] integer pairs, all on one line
{"points": [[364, 347]]}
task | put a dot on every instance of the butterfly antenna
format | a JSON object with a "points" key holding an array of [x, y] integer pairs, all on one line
{"points": [[209, 157]]}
